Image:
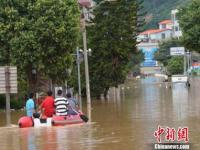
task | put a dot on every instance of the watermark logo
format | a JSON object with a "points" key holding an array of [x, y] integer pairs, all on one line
{"points": [[171, 134], [171, 138]]}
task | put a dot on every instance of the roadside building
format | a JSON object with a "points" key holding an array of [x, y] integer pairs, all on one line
{"points": [[165, 24], [155, 35], [150, 39]]}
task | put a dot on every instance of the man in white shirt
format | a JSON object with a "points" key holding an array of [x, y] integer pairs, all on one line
{"points": [[61, 104]]}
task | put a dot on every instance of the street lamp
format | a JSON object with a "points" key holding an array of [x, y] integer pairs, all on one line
{"points": [[79, 77], [78, 61], [188, 55], [84, 4]]}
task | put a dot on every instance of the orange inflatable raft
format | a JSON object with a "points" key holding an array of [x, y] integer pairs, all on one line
{"points": [[26, 121]]}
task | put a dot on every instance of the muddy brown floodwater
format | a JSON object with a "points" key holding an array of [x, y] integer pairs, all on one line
{"points": [[126, 121]]}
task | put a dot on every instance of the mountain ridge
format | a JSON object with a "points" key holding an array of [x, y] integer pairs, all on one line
{"points": [[158, 10]]}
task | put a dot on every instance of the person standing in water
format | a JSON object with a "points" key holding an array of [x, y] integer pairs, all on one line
{"points": [[30, 105]]}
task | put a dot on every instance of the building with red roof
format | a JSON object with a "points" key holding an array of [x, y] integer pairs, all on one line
{"points": [[149, 39], [155, 35], [165, 24], [167, 29], [85, 3]]}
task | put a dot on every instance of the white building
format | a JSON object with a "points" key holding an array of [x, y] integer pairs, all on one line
{"points": [[167, 29], [165, 24], [155, 35]]}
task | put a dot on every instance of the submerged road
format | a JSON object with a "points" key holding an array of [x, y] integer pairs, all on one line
{"points": [[127, 121]]}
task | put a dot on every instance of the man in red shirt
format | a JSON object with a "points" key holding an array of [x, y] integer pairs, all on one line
{"points": [[47, 105]]}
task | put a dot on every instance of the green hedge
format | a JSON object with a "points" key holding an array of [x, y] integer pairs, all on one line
{"points": [[14, 103]]}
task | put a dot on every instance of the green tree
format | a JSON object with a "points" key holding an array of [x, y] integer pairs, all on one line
{"points": [[189, 20], [163, 53], [136, 59], [39, 35], [113, 41], [8, 17], [175, 65]]}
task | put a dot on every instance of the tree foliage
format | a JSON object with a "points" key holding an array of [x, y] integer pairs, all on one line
{"points": [[136, 60], [113, 41], [163, 53], [39, 35], [189, 20], [175, 65]]}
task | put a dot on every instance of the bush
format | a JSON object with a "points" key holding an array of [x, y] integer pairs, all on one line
{"points": [[14, 103], [175, 65], [2, 102]]}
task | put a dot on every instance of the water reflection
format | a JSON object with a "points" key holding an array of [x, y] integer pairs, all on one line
{"points": [[8, 137], [180, 101], [56, 138], [27, 138]]}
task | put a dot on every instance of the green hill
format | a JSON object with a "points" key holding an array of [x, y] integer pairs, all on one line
{"points": [[158, 10]]}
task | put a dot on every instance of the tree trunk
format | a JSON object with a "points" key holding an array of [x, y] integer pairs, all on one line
{"points": [[98, 97], [106, 93], [32, 79]]}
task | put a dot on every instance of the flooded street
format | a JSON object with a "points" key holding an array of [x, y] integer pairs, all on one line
{"points": [[126, 121]]}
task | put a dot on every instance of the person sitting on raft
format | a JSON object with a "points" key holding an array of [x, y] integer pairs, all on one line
{"points": [[61, 104], [47, 106], [73, 107]]}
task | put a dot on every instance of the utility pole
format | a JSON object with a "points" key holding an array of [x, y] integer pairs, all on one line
{"points": [[79, 78], [188, 61], [7, 80], [185, 63], [86, 59]]}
